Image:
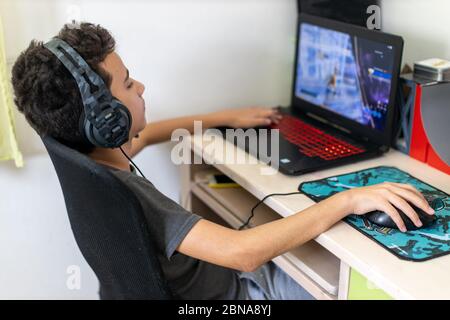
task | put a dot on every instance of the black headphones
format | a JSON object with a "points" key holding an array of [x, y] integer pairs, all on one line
{"points": [[105, 121]]}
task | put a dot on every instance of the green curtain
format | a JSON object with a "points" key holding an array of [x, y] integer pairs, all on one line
{"points": [[8, 143]]}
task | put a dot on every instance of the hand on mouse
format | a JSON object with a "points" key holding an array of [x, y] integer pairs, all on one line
{"points": [[388, 197]]}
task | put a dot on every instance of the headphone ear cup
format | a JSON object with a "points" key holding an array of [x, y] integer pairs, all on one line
{"points": [[114, 129], [86, 129], [125, 113], [125, 117]]}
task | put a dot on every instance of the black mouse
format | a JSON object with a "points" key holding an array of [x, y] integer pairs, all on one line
{"points": [[382, 219]]}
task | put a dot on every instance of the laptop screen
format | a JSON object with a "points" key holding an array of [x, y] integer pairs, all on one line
{"points": [[345, 74]]}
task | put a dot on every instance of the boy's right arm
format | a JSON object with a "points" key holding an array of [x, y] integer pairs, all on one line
{"points": [[246, 250]]}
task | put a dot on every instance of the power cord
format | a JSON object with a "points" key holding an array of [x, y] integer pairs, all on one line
{"points": [[129, 159], [261, 201]]}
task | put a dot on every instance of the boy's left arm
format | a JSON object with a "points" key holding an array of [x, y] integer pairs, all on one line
{"points": [[161, 131]]}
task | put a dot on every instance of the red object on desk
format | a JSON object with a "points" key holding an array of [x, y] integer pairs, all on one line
{"points": [[421, 147]]}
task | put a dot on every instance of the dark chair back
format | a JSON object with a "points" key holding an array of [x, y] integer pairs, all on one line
{"points": [[109, 227]]}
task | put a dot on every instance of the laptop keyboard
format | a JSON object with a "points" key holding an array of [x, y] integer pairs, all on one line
{"points": [[312, 141]]}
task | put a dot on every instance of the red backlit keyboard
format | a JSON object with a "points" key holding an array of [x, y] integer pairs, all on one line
{"points": [[312, 141]]}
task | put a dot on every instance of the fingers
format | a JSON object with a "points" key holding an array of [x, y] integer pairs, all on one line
{"points": [[411, 194], [393, 213], [254, 117], [256, 122], [271, 115], [275, 119], [405, 207], [266, 112], [407, 186], [412, 197]]}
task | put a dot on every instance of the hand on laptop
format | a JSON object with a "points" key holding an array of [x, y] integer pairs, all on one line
{"points": [[248, 117]]}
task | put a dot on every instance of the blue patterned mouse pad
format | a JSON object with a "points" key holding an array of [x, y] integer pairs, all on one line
{"points": [[417, 245]]}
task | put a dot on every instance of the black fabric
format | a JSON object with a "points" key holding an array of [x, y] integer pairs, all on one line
{"points": [[109, 227]]}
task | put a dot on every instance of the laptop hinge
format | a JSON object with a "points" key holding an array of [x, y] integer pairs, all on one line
{"points": [[316, 117], [382, 148]]}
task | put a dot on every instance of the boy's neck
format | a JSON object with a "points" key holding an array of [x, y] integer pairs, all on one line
{"points": [[112, 157]]}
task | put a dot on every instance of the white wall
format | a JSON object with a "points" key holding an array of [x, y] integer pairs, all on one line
{"points": [[423, 24], [193, 56]]}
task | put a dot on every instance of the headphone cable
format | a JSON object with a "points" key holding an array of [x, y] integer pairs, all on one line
{"points": [[254, 207], [129, 159]]}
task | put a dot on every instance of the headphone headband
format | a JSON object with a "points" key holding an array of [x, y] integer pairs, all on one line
{"points": [[83, 74]]}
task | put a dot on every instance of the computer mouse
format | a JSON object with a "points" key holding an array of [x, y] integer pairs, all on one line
{"points": [[382, 219]]}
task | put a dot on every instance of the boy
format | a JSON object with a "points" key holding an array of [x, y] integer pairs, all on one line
{"points": [[200, 259]]}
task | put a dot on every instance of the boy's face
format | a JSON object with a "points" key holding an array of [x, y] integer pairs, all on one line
{"points": [[127, 90]]}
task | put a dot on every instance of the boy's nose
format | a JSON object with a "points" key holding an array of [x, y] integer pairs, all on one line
{"points": [[141, 88]]}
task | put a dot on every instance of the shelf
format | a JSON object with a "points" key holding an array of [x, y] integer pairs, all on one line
{"points": [[309, 264]]}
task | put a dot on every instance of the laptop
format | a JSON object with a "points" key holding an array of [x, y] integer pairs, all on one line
{"points": [[343, 97]]}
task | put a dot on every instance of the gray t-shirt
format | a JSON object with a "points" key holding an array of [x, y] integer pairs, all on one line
{"points": [[169, 223]]}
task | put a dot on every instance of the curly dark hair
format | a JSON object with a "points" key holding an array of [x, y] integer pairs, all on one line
{"points": [[45, 91]]}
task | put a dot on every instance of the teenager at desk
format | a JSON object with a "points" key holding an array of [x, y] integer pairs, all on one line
{"points": [[212, 261]]}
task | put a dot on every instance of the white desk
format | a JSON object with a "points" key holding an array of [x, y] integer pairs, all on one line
{"points": [[400, 279]]}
